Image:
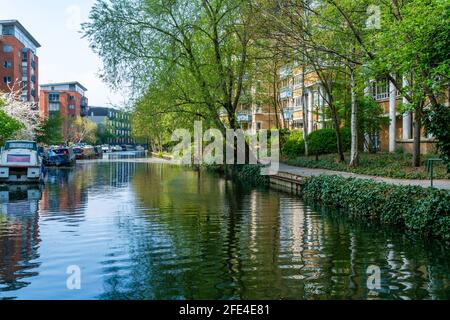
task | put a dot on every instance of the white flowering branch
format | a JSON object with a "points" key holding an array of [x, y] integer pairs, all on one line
{"points": [[26, 113]]}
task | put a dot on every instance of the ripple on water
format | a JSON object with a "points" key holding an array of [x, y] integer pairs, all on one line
{"points": [[150, 231]]}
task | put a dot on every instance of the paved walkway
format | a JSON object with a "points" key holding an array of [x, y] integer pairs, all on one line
{"points": [[307, 172]]}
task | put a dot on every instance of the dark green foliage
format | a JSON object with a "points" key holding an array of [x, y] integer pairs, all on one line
{"points": [[294, 146], [8, 126], [49, 132], [250, 174], [422, 210], [437, 123], [285, 134], [104, 133], [324, 141]]}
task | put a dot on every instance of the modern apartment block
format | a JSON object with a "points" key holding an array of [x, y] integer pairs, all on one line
{"points": [[291, 87], [67, 99], [288, 114], [117, 121], [256, 113], [19, 69], [398, 135]]}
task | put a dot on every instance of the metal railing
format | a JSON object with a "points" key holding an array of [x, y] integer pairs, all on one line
{"points": [[430, 168]]}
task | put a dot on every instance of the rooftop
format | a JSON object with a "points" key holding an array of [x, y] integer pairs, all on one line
{"points": [[102, 111], [58, 84], [18, 25]]}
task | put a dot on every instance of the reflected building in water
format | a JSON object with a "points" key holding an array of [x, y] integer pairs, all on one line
{"points": [[19, 236], [66, 191]]}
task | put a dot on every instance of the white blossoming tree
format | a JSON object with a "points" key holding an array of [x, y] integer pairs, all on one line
{"points": [[26, 113]]}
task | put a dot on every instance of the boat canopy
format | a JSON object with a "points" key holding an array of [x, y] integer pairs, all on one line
{"points": [[30, 145]]}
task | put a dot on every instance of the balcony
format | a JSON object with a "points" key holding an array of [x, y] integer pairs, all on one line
{"points": [[285, 72], [288, 114], [244, 117], [285, 93]]}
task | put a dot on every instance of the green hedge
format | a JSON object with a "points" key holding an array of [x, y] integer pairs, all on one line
{"points": [[250, 175], [423, 210], [324, 141], [294, 146]]}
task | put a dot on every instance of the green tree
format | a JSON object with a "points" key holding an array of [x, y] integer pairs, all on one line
{"points": [[105, 132], [81, 130], [437, 123], [49, 132], [8, 125], [412, 40], [206, 45]]}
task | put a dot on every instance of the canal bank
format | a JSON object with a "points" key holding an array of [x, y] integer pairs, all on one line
{"points": [[408, 206]]}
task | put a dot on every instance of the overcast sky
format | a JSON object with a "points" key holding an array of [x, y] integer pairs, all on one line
{"points": [[64, 56]]}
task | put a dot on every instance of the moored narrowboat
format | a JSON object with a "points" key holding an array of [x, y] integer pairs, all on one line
{"points": [[59, 157], [20, 163]]}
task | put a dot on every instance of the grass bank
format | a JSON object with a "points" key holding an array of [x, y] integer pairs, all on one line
{"points": [[390, 165], [422, 210]]}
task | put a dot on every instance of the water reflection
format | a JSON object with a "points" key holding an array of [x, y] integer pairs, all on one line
{"points": [[19, 236], [155, 231]]}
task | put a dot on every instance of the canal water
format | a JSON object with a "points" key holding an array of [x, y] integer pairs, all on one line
{"points": [[124, 229]]}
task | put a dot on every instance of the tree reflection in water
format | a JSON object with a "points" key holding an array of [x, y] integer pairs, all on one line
{"points": [[157, 231]]}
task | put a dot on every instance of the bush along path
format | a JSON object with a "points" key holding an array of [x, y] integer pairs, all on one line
{"points": [[423, 210], [310, 172]]}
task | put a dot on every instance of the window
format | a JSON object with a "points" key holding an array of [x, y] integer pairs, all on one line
{"points": [[380, 89], [72, 107], [71, 98], [7, 64], [7, 80], [258, 108], [53, 97], [7, 48], [258, 126], [25, 54], [53, 106], [298, 81], [8, 31]]}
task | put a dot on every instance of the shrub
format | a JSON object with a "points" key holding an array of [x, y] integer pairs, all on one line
{"points": [[294, 146], [422, 210], [437, 123], [250, 175], [324, 141]]}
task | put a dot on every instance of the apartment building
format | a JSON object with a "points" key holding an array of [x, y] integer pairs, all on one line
{"points": [[398, 135], [259, 111], [117, 121], [19, 70], [291, 85], [67, 99]]}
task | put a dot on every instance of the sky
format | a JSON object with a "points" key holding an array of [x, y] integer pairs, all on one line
{"points": [[64, 55]]}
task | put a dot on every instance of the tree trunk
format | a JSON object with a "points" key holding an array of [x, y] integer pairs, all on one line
{"points": [[417, 128], [338, 138], [354, 123], [337, 129], [305, 114]]}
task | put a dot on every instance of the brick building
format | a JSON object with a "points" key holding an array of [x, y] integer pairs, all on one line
{"points": [[67, 99], [19, 67]]}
